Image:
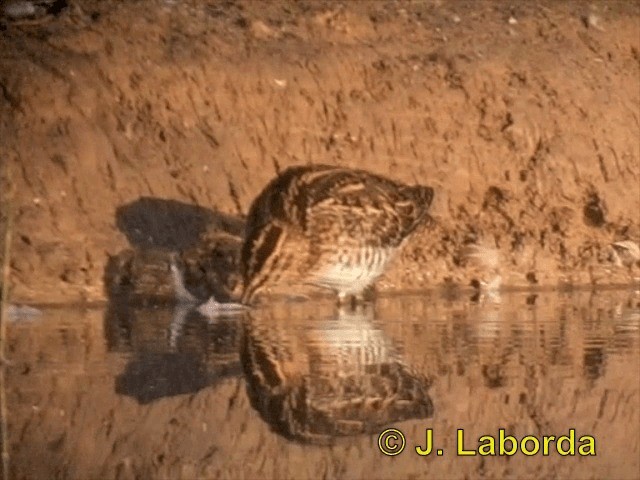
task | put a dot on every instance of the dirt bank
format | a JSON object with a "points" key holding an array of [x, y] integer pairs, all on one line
{"points": [[145, 124]]}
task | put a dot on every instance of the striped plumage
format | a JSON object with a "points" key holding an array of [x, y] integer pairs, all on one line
{"points": [[328, 226], [317, 379]]}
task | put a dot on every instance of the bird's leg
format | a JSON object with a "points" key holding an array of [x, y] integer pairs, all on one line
{"points": [[346, 301], [342, 298], [350, 302], [358, 299]]}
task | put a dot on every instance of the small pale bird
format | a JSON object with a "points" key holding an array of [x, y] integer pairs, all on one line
{"points": [[328, 226]]}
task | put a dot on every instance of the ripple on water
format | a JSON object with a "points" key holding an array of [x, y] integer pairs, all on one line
{"points": [[167, 381]]}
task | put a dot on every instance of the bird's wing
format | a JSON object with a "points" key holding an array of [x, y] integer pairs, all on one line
{"points": [[362, 205]]}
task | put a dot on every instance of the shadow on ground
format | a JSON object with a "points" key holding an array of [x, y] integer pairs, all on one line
{"points": [[204, 244], [174, 350], [158, 223]]}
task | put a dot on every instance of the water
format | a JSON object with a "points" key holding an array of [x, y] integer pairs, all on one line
{"points": [[303, 390]]}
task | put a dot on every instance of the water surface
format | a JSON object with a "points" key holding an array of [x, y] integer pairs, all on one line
{"points": [[302, 390]]}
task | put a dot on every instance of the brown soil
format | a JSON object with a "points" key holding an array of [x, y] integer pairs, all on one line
{"points": [[144, 124]]}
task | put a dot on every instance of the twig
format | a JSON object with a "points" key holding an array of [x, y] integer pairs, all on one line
{"points": [[4, 437], [4, 301]]}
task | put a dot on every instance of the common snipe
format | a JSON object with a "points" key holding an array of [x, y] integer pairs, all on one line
{"points": [[328, 226], [316, 379]]}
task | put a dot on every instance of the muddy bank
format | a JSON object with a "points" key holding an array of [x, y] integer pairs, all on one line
{"points": [[524, 118]]}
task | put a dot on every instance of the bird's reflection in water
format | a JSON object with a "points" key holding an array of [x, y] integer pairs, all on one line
{"points": [[311, 376], [315, 374], [174, 350], [315, 379]]}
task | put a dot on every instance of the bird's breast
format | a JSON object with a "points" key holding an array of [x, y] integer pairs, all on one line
{"points": [[351, 270]]}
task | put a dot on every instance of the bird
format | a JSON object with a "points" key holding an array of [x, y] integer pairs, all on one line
{"points": [[316, 379], [328, 226]]}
